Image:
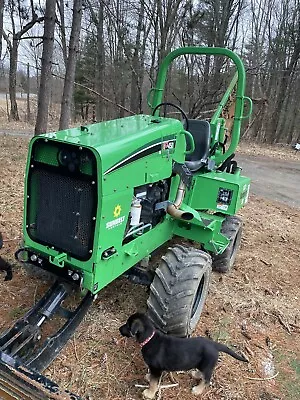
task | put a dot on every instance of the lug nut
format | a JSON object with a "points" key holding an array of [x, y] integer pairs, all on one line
{"points": [[33, 257], [75, 276]]}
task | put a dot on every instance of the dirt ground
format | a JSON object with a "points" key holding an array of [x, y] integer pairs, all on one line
{"points": [[255, 307]]}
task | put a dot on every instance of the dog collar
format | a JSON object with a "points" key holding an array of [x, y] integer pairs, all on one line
{"points": [[147, 340]]}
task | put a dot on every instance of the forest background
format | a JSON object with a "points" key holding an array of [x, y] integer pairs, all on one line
{"points": [[93, 60]]}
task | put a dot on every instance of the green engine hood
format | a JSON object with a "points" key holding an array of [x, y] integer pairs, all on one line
{"points": [[119, 140]]}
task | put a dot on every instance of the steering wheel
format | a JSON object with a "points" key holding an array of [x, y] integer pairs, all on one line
{"points": [[185, 118]]}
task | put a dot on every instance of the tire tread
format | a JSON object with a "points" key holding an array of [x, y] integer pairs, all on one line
{"points": [[173, 288], [232, 226]]}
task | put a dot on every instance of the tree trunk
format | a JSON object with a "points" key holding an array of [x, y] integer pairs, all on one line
{"points": [[13, 63], [283, 88], [100, 70], [28, 95], [45, 79], [13, 50], [1, 24], [135, 96], [71, 65], [62, 29]]}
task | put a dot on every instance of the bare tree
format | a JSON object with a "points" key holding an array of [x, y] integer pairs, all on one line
{"points": [[97, 18], [13, 46], [127, 40], [45, 80], [28, 114], [1, 24], [137, 64], [65, 115], [273, 56], [62, 29], [291, 34]]}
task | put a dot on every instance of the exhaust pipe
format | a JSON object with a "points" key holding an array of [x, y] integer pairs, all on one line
{"points": [[173, 209]]}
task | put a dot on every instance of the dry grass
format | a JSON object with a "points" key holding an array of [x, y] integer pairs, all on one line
{"points": [[22, 125], [255, 307], [280, 152]]}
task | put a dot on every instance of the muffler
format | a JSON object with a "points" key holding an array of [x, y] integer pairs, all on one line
{"points": [[173, 209]]}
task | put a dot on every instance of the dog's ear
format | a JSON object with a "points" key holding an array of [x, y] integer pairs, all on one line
{"points": [[136, 327]]}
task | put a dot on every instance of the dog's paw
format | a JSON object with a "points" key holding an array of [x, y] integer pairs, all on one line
{"points": [[198, 390], [147, 377], [147, 394], [196, 374]]}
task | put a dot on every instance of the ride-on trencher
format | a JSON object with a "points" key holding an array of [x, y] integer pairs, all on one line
{"points": [[100, 199]]}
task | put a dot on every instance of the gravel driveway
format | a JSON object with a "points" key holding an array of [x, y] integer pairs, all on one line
{"points": [[273, 179]]}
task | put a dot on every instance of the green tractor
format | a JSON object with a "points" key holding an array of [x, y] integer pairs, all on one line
{"points": [[101, 199]]}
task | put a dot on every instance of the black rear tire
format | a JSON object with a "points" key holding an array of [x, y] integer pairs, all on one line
{"points": [[231, 228], [179, 290]]}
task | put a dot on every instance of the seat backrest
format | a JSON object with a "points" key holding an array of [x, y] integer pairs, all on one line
{"points": [[200, 130]]}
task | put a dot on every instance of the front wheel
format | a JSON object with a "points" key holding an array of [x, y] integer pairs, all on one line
{"points": [[179, 290]]}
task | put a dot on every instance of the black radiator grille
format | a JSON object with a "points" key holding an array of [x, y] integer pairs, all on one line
{"points": [[61, 210]]}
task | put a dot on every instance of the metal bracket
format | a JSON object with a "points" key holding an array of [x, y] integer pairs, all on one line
{"points": [[163, 205], [58, 260], [139, 276], [132, 251], [211, 165]]}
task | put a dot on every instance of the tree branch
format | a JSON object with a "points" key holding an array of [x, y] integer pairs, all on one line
{"points": [[28, 26], [31, 37], [96, 93], [6, 38]]}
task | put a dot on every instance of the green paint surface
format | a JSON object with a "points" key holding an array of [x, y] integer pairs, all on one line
{"points": [[120, 155]]}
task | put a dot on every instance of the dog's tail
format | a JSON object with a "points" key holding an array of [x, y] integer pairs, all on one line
{"points": [[224, 349]]}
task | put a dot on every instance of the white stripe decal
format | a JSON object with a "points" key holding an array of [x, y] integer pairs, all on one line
{"points": [[135, 154]]}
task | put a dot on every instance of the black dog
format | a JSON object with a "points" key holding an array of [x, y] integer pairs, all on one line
{"points": [[168, 353]]}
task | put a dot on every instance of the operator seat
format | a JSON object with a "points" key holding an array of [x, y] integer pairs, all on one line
{"points": [[200, 130]]}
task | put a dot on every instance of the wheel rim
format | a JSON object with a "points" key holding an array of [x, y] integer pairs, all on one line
{"points": [[198, 297]]}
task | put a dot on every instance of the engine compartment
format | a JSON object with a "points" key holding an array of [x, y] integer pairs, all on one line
{"points": [[148, 208]]}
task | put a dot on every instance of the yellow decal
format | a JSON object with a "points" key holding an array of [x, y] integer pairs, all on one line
{"points": [[117, 211]]}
